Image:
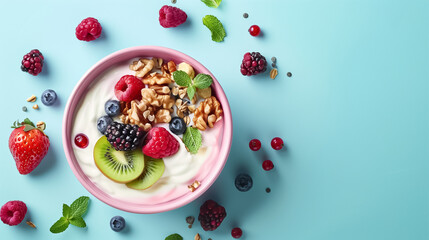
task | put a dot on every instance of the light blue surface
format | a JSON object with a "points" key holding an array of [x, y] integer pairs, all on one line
{"points": [[354, 115]]}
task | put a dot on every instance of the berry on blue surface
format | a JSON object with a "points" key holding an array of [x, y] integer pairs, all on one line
{"points": [[112, 108], [177, 125], [117, 223], [243, 182], [103, 122], [49, 97]]}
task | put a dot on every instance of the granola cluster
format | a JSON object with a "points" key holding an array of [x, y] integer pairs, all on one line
{"points": [[163, 97]]}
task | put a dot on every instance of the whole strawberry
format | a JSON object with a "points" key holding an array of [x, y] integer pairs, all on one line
{"points": [[28, 145]]}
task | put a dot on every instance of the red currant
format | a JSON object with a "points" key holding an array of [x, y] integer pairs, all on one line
{"points": [[267, 165], [254, 30], [255, 144], [277, 143], [81, 140], [236, 232]]}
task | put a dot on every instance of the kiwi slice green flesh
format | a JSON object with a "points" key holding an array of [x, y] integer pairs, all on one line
{"points": [[119, 166], [154, 168]]}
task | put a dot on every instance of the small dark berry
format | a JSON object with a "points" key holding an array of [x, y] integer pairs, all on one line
{"points": [[243, 182]]}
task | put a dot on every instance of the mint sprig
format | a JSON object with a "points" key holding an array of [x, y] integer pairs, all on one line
{"points": [[215, 27], [201, 81], [192, 139], [174, 236], [72, 215], [212, 3]]}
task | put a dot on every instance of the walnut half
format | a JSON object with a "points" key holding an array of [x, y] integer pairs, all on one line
{"points": [[208, 113]]}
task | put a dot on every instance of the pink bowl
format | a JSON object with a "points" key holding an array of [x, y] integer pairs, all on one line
{"points": [[80, 90]]}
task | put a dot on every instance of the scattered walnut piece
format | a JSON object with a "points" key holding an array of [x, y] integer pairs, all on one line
{"points": [[194, 185], [197, 237], [273, 73], [187, 120], [207, 114], [31, 99], [35, 106], [41, 125], [30, 223], [160, 89]]}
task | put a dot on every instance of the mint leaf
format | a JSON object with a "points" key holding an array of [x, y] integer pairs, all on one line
{"points": [[78, 222], [215, 26], [60, 226], [66, 211], [191, 91], [192, 139], [182, 78], [212, 3], [79, 206], [174, 237], [203, 81]]}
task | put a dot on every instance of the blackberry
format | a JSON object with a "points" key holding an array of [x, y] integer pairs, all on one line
{"points": [[124, 137], [253, 63], [211, 215], [32, 62]]}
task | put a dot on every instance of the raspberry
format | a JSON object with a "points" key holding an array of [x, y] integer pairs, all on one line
{"points": [[13, 212], [253, 63], [128, 88], [88, 30], [211, 215], [236, 232], [124, 137], [32, 62], [171, 16], [159, 143]]}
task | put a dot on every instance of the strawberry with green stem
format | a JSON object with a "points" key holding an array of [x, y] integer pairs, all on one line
{"points": [[28, 145]]}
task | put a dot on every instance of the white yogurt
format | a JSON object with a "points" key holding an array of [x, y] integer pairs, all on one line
{"points": [[181, 169]]}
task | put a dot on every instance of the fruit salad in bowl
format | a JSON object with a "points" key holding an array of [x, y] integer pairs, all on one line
{"points": [[147, 129]]}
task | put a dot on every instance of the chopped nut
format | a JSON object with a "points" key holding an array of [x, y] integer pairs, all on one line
{"points": [[188, 69], [205, 93], [148, 66], [35, 106], [157, 79], [136, 65], [160, 89], [197, 237], [187, 120], [194, 185], [273, 73], [171, 67], [191, 108], [31, 99], [208, 113], [158, 62], [41, 125], [31, 224]]}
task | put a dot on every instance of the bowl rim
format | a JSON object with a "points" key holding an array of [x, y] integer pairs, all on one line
{"points": [[73, 101]]}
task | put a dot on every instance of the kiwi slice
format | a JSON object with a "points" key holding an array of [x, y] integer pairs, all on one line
{"points": [[119, 166], [154, 168]]}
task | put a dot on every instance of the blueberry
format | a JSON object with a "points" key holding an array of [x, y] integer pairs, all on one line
{"points": [[117, 223], [49, 97], [103, 122], [112, 108], [243, 182], [177, 125]]}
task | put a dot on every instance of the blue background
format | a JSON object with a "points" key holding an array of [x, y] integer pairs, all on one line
{"points": [[354, 115]]}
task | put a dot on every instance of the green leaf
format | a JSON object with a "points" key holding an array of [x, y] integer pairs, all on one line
{"points": [[79, 206], [203, 81], [66, 211], [174, 237], [60, 226], [182, 78], [215, 26], [27, 123], [212, 3], [191, 91], [78, 222], [192, 139]]}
